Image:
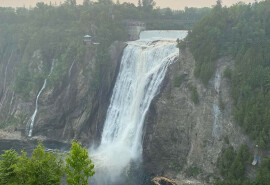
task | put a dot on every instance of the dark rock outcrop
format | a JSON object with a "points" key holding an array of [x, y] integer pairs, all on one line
{"points": [[74, 107], [182, 135]]}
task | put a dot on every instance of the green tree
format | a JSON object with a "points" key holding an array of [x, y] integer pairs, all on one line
{"points": [[263, 174], [180, 44], [43, 168], [7, 162], [148, 4], [139, 3], [79, 166]]}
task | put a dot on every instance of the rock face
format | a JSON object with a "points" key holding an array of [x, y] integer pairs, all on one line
{"points": [[186, 128], [72, 108], [183, 136]]}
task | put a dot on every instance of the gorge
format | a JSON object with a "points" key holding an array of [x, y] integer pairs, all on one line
{"points": [[153, 110], [149, 120]]}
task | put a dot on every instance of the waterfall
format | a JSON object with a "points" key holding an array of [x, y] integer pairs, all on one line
{"points": [[143, 67], [70, 69], [216, 131], [31, 121]]}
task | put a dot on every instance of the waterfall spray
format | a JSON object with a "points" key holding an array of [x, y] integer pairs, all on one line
{"points": [[143, 67]]}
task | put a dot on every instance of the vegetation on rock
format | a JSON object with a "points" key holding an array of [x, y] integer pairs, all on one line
{"points": [[232, 166], [241, 31]]}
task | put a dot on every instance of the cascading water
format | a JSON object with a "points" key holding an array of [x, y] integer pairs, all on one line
{"points": [[216, 111], [70, 69], [31, 121], [143, 67]]}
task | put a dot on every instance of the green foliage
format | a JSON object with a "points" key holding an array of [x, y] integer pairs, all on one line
{"points": [[12, 121], [7, 162], [192, 171], [231, 164], [180, 44], [42, 168], [227, 31], [179, 80], [78, 165], [46, 167], [228, 73], [226, 139], [177, 167], [263, 174]]}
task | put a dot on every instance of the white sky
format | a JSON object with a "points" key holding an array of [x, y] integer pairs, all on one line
{"points": [[174, 4]]}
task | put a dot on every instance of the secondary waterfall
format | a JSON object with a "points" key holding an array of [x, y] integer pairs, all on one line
{"points": [[216, 110], [143, 67], [31, 121]]}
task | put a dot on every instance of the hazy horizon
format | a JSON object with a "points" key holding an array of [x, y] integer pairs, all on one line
{"points": [[173, 4]]}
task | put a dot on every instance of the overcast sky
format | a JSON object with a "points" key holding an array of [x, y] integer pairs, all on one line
{"points": [[174, 4]]}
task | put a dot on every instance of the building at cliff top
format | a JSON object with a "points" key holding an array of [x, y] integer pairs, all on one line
{"points": [[87, 39]]}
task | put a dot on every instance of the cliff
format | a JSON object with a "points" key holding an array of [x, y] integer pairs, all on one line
{"points": [[74, 107], [188, 124], [186, 128]]}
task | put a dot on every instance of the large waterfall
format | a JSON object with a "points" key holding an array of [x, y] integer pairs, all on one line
{"points": [[143, 67]]}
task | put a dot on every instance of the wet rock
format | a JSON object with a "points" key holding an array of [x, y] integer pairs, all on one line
{"points": [[182, 135]]}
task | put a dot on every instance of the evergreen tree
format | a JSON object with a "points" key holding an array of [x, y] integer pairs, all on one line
{"points": [[139, 3], [148, 4], [79, 166], [43, 168], [7, 162]]}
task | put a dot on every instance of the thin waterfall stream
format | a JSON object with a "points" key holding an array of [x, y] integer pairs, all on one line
{"points": [[216, 110], [31, 121], [143, 67]]}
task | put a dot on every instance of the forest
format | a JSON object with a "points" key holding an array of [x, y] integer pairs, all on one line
{"points": [[57, 31], [241, 32]]}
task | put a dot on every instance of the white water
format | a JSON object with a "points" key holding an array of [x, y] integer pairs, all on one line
{"points": [[31, 121], [216, 131], [70, 69], [163, 34], [143, 67]]}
